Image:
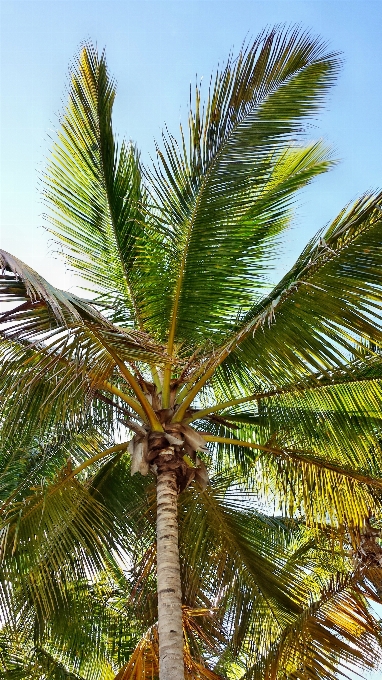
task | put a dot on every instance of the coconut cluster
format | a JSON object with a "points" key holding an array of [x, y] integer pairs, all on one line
{"points": [[173, 449]]}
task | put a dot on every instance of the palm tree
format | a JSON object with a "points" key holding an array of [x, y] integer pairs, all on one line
{"points": [[272, 392]]}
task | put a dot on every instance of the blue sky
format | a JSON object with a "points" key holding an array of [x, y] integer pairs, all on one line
{"points": [[155, 49]]}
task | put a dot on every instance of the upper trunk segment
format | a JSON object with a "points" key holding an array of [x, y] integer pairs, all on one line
{"points": [[172, 456], [171, 664]]}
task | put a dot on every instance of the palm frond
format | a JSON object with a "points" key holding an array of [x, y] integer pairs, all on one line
{"points": [[46, 394], [47, 312], [56, 344], [94, 191], [232, 553], [335, 635], [320, 315], [55, 534], [225, 200], [301, 482], [31, 455]]}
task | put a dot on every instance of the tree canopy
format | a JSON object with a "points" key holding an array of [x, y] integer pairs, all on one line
{"points": [[263, 402]]}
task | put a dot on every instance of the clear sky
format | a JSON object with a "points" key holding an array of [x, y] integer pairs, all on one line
{"points": [[155, 48]]}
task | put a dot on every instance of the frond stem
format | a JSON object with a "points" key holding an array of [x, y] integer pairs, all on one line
{"points": [[73, 473], [180, 413], [108, 387], [295, 455], [156, 378], [299, 388], [148, 409], [98, 456]]}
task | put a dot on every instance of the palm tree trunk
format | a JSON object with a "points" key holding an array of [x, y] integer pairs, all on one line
{"points": [[171, 664]]}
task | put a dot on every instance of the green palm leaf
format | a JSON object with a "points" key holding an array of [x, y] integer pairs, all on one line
{"points": [[225, 200], [322, 311], [333, 635], [321, 488], [47, 311], [94, 191]]}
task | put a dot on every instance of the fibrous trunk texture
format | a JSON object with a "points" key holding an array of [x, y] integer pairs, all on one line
{"points": [[171, 664]]}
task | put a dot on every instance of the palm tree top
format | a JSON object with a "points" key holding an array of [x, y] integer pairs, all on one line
{"points": [[236, 390]]}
